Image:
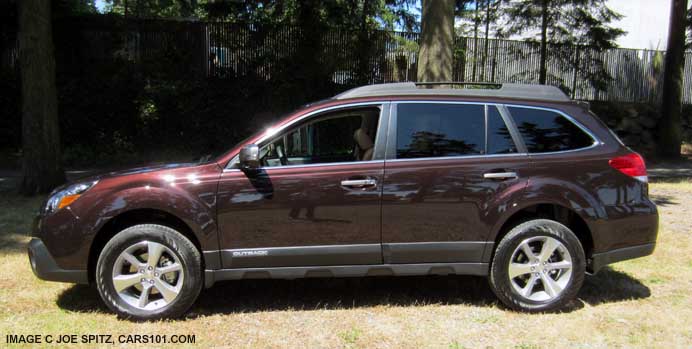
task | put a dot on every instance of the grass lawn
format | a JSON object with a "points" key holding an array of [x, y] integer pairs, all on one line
{"points": [[639, 303]]}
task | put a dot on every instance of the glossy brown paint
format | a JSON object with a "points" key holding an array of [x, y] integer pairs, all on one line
{"points": [[300, 206], [446, 200], [186, 192]]}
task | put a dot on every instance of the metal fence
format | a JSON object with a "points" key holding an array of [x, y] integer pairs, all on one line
{"points": [[230, 50]]}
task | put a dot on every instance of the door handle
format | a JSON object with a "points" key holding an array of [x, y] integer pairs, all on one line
{"points": [[359, 183], [500, 175]]}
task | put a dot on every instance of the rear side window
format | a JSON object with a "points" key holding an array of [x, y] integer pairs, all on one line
{"points": [[436, 130], [546, 131]]}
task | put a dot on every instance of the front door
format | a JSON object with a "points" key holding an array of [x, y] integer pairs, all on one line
{"points": [[315, 200]]}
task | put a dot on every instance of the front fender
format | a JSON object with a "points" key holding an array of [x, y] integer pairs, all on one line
{"points": [[188, 194]]}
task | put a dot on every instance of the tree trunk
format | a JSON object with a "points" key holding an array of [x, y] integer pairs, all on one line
{"points": [[476, 20], [364, 46], [437, 41], [670, 128], [543, 70], [487, 37], [41, 165]]}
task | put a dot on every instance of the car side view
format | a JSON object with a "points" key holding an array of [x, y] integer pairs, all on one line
{"points": [[514, 182]]}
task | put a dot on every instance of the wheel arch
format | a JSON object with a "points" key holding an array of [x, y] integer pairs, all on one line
{"points": [[547, 210], [133, 217]]}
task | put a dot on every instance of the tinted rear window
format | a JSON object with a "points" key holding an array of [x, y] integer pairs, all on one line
{"points": [[547, 131], [499, 139], [435, 130]]}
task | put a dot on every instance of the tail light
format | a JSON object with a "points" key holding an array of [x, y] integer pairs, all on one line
{"points": [[631, 164]]}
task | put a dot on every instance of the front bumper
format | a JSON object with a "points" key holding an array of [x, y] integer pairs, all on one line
{"points": [[45, 267], [599, 260]]}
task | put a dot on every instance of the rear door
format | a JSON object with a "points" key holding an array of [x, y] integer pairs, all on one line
{"points": [[450, 171]]}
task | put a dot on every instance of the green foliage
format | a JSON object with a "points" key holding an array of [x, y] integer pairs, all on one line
{"points": [[152, 8], [575, 22], [472, 17], [73, 7], [689, 27], [567, 23], [368, 14]]}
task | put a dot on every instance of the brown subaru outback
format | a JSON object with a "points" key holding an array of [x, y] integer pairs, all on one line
{"points": [[514, 182]]}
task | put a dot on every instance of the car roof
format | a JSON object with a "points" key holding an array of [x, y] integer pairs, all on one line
{"points": [[458, 89]]}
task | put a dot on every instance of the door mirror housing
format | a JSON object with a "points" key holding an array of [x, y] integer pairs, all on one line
{"points": [[249, 156]]}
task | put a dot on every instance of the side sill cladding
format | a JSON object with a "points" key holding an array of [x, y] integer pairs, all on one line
{"points": [[479, 269]]}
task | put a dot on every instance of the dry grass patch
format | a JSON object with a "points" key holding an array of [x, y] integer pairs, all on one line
{"points": [[640, 303]]}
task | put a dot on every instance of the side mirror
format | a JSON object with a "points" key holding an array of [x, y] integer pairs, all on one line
{"points": [[249, 156]]}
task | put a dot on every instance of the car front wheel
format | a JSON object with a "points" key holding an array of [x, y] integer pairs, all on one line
{"points": [[538, 266], [148, 272]]}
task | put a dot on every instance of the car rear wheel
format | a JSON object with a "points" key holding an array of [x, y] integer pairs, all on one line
{"points": [[149, 271], [538, 266]]}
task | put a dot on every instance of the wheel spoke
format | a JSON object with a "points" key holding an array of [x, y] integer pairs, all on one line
{"points": [[167, 291], [551, 287], [549, 246], [170, 268], [516, 269], [527, 290], [560, 265], [131, 259], [144, 297], [122, 282], [154, 251], [527, 250]]}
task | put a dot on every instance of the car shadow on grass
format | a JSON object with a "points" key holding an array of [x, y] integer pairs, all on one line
{"points": [[248, 296], [663, 200]]}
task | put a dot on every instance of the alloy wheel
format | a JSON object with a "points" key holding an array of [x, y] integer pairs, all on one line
{"points": [[148, 275], [540, 268]]}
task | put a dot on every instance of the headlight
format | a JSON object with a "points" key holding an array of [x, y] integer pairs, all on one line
{"points": [[66, 196]]}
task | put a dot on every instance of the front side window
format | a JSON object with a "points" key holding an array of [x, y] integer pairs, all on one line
{"points": [[437, 130], [547, 131], [340, 136]]}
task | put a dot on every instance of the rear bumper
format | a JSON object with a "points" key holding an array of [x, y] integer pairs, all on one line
{"points": [[45, 267], [599, 260]]}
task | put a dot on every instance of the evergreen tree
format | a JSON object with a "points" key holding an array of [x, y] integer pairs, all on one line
{"points": [[564, 23]]}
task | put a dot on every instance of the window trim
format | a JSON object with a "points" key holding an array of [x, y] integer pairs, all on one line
{"points": [[596, 140], [380, 141]]}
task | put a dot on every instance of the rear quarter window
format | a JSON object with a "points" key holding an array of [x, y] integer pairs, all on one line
{"points": [[548, 131]]}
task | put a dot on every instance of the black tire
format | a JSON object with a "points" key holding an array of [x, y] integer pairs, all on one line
{"points": [[182, 247], [499, 271]]}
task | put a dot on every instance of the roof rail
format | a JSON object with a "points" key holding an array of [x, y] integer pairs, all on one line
{"points": [[459, 89]]}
